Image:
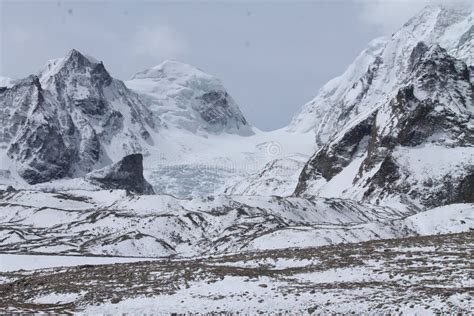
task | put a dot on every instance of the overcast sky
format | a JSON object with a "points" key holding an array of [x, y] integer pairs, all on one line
{"points": [[272, 56]]}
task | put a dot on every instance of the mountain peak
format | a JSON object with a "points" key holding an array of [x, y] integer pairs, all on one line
{"points": [[73, 61], [433, 21], [185, 97], [171, 70], [74, 54]]}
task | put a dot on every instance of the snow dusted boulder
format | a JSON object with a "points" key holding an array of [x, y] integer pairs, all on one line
{"points": [[70, 119], [127, 174], [185, 97]]}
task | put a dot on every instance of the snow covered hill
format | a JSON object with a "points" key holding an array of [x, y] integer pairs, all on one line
{"points": [[120, 224], [278, 177]]}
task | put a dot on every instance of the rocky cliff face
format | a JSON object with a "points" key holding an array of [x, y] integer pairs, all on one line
{"points": [[417, 147], [126, 174], [71, 118]]}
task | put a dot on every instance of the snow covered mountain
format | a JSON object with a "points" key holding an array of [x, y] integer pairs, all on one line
{"points": [[396, 125], [404, 131], [194, 138], [204, 144], [375, 75], [376, 173], [70, 119], [184, 97]]}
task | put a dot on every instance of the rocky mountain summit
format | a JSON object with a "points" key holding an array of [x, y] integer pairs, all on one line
{"points": [[71, 118]]}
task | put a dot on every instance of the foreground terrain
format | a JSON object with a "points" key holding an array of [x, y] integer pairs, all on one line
{"points": [[417, 275]]}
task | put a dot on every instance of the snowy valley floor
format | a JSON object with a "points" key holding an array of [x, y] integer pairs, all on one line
{"points": [[416, 275]]}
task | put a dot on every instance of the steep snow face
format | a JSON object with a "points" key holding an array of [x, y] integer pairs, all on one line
{"points": [[193, 136], [374, 77], [377, 133], [70, 119], [204, 143], [343, 113], [335, 97], [184, 97]]}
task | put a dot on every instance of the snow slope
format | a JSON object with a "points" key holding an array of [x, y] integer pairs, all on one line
{"points": [[204, 142], [415, 148], [10, 262], [418, 275], [433, 52]]}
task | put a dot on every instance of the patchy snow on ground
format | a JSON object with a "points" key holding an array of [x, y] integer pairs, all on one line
{"points": [[12, 262], [54, 298]]}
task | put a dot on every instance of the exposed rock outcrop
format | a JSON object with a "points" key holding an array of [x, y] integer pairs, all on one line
{"points": [[127, 174]]}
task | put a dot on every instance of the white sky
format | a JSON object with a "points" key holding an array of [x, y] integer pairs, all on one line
{"points": [[272, 56]]}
